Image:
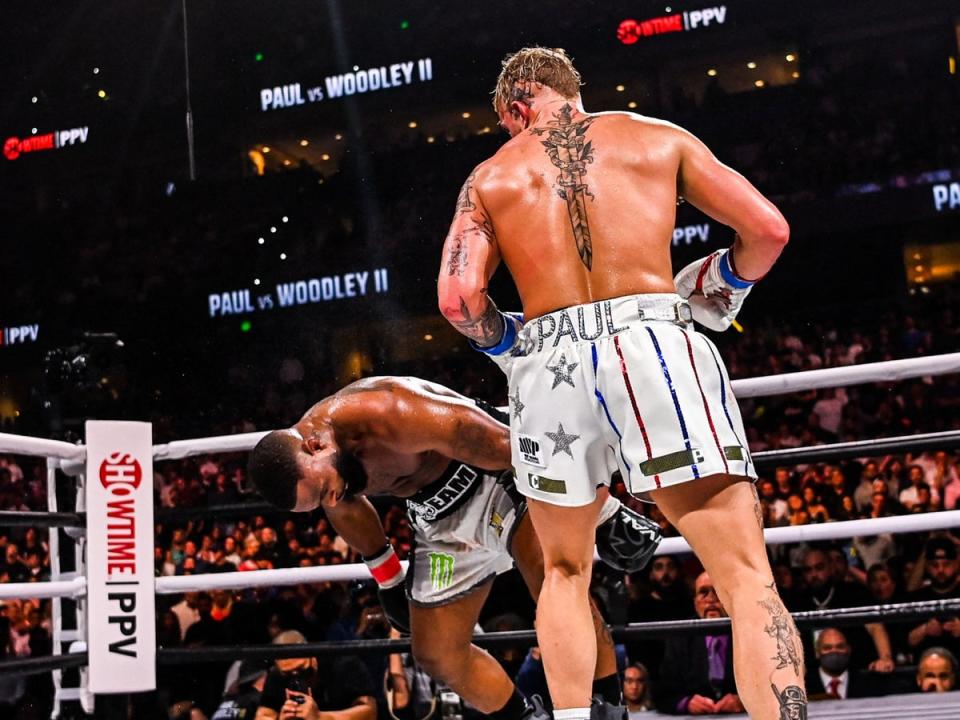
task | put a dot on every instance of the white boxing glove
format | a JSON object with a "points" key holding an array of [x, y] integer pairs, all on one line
{"points": [[715, 292]]}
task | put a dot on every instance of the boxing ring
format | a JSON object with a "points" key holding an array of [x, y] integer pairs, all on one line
{"points": [[70, 644]]}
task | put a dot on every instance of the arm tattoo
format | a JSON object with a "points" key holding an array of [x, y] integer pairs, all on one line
{"points": [[570, 151], [782, 630], [464, 203], [457, 260], [793, 702], [485, 330]]}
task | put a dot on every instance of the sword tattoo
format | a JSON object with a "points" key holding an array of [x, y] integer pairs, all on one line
{"points": [[571, 152]]}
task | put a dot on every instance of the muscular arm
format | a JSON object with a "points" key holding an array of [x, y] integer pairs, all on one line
{"points": [[356, 520], [728, 197], [470, 256]]}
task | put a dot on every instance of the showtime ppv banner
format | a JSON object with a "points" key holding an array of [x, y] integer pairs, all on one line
{"points": [[121, 635]]}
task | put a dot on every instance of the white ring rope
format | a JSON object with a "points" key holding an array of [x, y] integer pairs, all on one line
{"points": [[40, 447], [887, 371], [169, 585], [752, 387]]}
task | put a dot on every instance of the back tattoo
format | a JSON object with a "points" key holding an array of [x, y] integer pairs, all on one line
{"points": [[571, 152]]}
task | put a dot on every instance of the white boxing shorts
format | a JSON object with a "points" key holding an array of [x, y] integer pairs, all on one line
{"points": [[624, 384]]}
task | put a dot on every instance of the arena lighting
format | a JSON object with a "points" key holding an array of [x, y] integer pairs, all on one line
{"points": [[431, 139], [34, 99], [791, 57], [752, 65], [759, 83], [428, 337], [620, 88], [33, 131], [273, 228], [260, 241], [712, 72], [283, 256], [256, 281], [284, 219], [338, 136], [258, 57], [304, 143], [286, 163], [404, 24], [632, 104], [795, 75], [96, 71], [412, 124], [465, 116], [325, 157], [245, 326], [102, 94], [265, 149]]}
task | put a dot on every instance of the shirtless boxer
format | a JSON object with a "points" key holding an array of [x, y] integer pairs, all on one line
{"points": [[608, 371], [447, 455]]}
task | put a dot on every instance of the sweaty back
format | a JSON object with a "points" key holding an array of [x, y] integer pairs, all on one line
{"points": [[583, 207]]}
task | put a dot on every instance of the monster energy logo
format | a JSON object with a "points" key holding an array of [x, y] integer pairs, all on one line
{"points": [[441, 570]]}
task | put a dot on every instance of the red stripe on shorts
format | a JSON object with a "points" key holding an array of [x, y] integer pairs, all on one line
{"points": [[633, 402], [705, 406]]}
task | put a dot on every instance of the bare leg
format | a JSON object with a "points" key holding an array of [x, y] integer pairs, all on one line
{"points": [[441, 645], [718, 515], [564, 626], [529, 558]]}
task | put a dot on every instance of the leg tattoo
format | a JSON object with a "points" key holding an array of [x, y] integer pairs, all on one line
{"points": [[793, 702], [781, 629]]}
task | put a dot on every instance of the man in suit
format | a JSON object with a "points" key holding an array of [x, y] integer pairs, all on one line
{"points": [[696, 677], [831, 678]]}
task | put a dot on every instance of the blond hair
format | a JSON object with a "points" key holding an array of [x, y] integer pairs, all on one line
{"points": [[549, 67]]}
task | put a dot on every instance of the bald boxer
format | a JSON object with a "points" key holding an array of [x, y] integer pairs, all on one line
{"points": [[608, 371], [447, 456]]}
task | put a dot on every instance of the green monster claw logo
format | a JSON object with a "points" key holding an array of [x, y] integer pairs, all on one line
{"points": [[441, 570]]}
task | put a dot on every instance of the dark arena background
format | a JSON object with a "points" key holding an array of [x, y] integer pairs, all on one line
{"points": [[212, 215]]}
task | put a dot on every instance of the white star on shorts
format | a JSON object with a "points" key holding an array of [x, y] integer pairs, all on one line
{"points": [[562, 372], [562, 441], [517, 405]]}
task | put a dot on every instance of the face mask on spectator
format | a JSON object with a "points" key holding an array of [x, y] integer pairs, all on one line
{"points": [[835, 662]]}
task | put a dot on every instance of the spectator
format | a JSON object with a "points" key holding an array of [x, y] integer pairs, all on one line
{"points": [[937, 670], [666, 599], [823, 591], [882, 586], [940, 567], [912, 495], [242, 698], [696, 676], [863, 495], [637, 692], [311, 687], [831, 678], [777, 510]]}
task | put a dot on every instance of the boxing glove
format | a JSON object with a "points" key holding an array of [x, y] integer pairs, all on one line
{"points": [[627, 540], [388, 572], [713, 289]]}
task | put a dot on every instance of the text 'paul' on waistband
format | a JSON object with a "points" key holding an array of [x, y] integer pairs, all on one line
{"points": [[584, 323]]}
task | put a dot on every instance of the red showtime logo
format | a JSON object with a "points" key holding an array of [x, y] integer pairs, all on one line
{"points": [[120, 473]]}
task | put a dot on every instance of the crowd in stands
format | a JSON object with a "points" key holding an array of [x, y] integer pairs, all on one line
{"points": [[865, 570]]}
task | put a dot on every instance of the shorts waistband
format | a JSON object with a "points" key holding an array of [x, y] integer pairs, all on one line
{"points": [[604, 318]]}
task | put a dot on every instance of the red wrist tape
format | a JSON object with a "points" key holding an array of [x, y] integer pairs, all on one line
{"points": [[386, 568]]}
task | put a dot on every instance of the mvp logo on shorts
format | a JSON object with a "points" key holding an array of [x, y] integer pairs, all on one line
{"points": [[529, 450]]}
